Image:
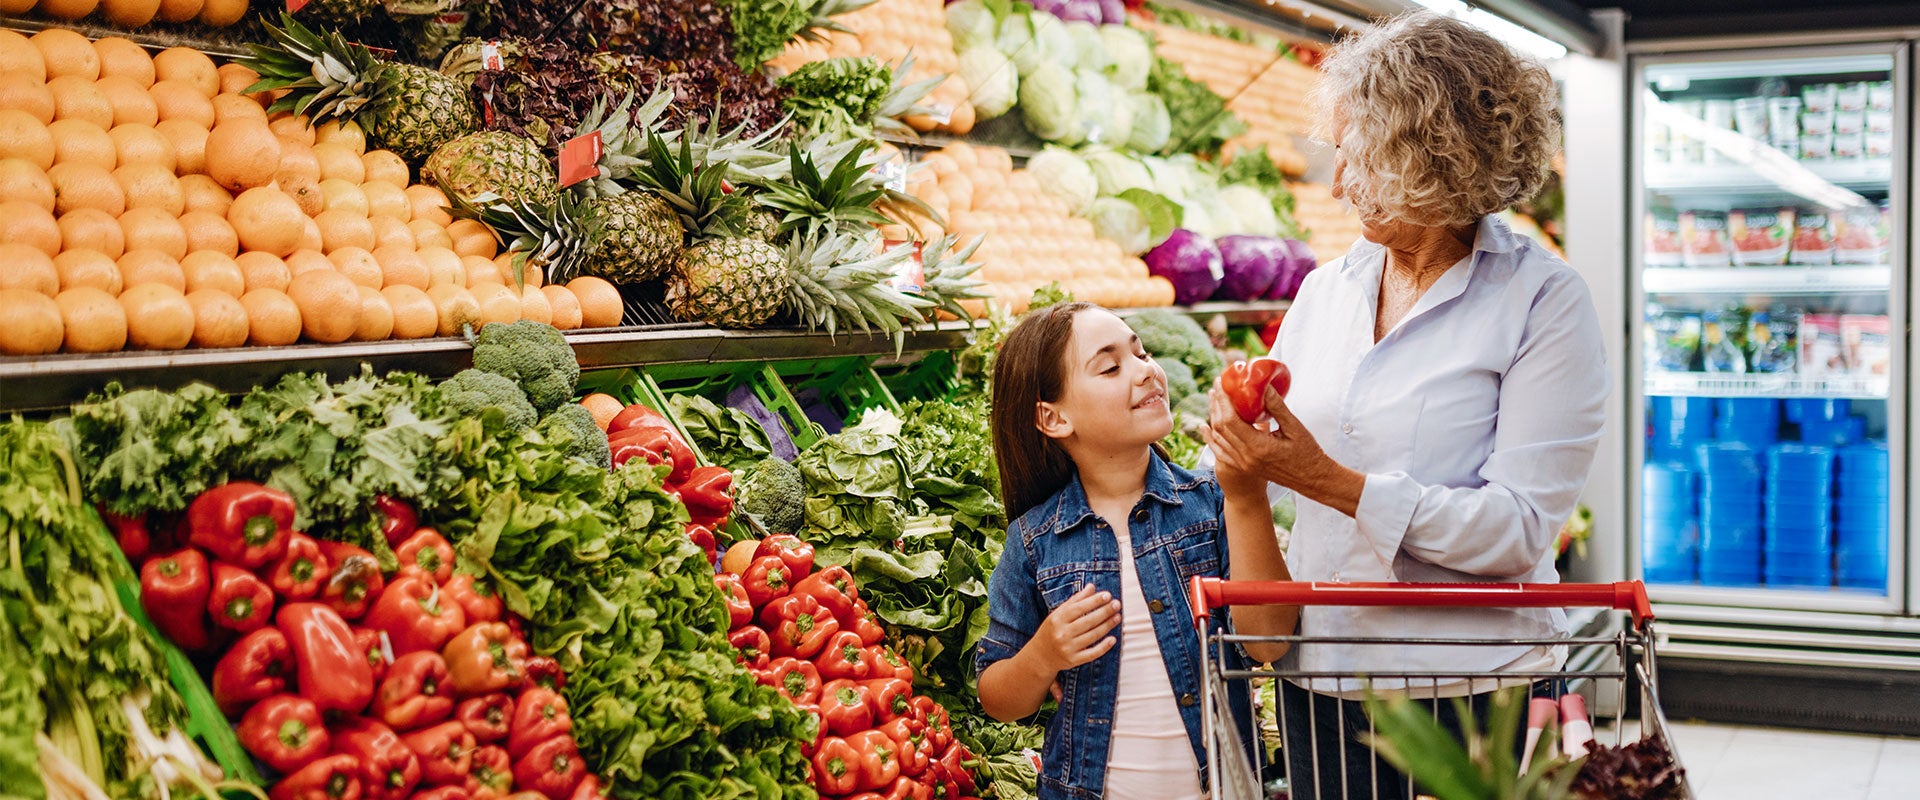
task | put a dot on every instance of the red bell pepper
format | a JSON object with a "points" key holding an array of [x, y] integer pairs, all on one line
{"points": [[489, 718], [739, 606], [637, 416], [242, 523], [552, 768], [846, 707], [255, 668], [915, 751], [955, 759], [546, 673], [333, 671], [937, 779], [285, 731], [415, 693], [429, 552], [1246, 382], [883, 662], [240, 601], [905, 788], [815, 723], [397, 519], [836, 767], [444, 793], [538, 715], [753, 646], [702, 536], [934, 716], [379, 656], [301, 573], [798, 625], [174, 590], [390, 768], [589, 789], [445, 752], [356, 581], [335, 777], [486, 658], [833, 587], [414, 616], [879, 764], [492, 774], [796, 554], [796, 679], [892, 699], [475, 597], [653, 445], [131, 534], [708, 493], [869, 627], [766, 579], [843, 658]]}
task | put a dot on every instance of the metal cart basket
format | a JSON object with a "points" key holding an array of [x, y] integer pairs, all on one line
{"points": [[1604, 670]]}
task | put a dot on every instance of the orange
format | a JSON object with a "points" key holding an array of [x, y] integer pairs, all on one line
{"points": [[202, 194], [86, 186], [29, 323], [267, 219], [273, 319], [344, 229], [189, 140], [88, 268], [443, 267], [387, 200], [457, 309], [262, 271], [221, 13], [158, 317], [376, 317], [604, 407], [304, 260], [291, 128], [121, 58], [340, 161], [414, 314], [428, 203], [182, 101], [341, 195], [481, 271], [236, 78], [141, 144], [81, 142], [401, 266], [471, 238], [92, 229], [600, 305], [566, 307], [23, 92], [24, 136], [209, 231], [21, 180], [310, 236], [68, 9], [427, 233], [386, 166], [67, 53], [228, 107], [299, 176], [27, 223], [347, 133], [358, 265], [207, 269], [151, 186], [534, 305], [129, 13], [218, 319], [189, 66], [129, 101], [25, 267], [524, 272], [390, 232], [154, 229], [75, 97], [19, 54], [242, 154], [94, 320], [329, 305], [151, 266]]}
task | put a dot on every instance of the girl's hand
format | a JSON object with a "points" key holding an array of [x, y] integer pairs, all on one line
{"points": [[1235, 474], [1287, 455], [1076, 632]]}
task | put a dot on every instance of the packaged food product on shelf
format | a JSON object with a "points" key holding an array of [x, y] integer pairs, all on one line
{"points": [[1812, 239], [1860, 235], [1664, 246], [1760, 236], [1823, 352], [1869, 353], [1703, 234]]}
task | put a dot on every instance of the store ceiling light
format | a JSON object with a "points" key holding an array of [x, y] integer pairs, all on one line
{"points": [[1505, 30]]}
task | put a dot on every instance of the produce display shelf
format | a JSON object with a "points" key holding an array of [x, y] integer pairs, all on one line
{"points": [[1767, 280], [1705, 384], [1257, 312]]}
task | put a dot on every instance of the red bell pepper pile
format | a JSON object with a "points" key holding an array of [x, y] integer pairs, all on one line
{"points": [[643, 433], [345, 682], [807, 633]]}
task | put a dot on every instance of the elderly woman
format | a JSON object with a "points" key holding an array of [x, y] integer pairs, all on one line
{"points": [[1448, 383]]}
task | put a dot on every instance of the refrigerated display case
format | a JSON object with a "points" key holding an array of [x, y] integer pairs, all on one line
{"points": [[1769, 279]]}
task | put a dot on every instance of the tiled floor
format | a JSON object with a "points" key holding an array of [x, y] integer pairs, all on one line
{"points": [[1741, 763]]}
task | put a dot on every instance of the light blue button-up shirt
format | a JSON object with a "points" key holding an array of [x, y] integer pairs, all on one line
{"points": [[1475, 421]]}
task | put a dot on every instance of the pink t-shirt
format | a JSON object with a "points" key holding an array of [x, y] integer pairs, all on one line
{"points": [[1151, 758]]}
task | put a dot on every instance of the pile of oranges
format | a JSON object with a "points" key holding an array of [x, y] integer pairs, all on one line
{"points": [[147, 202]]}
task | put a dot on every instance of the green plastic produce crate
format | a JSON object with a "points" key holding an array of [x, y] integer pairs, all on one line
{"points": [[847, 387], [716, 381], [630, 387], [929, 377]]}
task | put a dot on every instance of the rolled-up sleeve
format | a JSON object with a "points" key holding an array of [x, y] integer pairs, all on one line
{"points": [[1015, 608]]}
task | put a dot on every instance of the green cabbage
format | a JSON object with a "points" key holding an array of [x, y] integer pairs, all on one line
{"points": [[1090, 50], [1122, 223], [1151, 125], [1064, 175], [1131, 56], [1253, 209], [1033, 39], [992, 78], [1049, 100], [1093, 115], [1118, 172], [1119, 119], [972, 25]]}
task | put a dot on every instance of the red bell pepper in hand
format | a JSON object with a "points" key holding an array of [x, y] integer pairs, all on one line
{"points": [[766, 579], [398, 520], [174, 590], [753, 646], [475, 597], [332, 669], [708, 493], [240, 601], [869, 627], [491, 776], [486, 658], [356, 581], [544, 672], [844, 658], [130, 533], [335, 777], [915, 751], [414, 615], [444, 793], [285, 731], [552, 768], [796, 679], [301, 573], [1246, 382], [373, 645], [390, 768], [833, 587], [538, 715], [739, 606], [489, 718], [793, 552], [879, 764], [846, 707], [836, 767], [798, 625], [242, 523], [255, 668], [429, 552], [415, 693], [445, 752], [892, 699]]}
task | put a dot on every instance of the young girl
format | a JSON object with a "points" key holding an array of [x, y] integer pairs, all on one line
{"points": [[1089, 601]]}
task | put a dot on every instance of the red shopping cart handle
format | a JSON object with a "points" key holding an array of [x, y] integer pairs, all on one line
{"points": [[1211, 593]]}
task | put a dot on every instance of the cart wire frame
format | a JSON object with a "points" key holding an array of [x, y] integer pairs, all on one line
{"points": [[1233, 776]]}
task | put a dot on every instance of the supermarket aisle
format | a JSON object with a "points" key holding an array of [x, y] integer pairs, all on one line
{"points": [[1740, 763]]}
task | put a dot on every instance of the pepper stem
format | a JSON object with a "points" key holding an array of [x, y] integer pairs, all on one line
{"points": [[259, 529]]}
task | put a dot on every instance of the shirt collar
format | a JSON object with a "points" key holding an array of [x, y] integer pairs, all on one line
{"points": [[1491, 236], [1071, 507]]}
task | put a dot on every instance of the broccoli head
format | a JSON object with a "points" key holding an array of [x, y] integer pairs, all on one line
{"points": [[773, 492], [1170, 336], [532, 354], [472, 393], [1196, 408], [571, 429], [1180, 384]]}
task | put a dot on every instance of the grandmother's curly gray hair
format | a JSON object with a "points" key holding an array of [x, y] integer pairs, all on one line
{"points": [[1443, 123]]}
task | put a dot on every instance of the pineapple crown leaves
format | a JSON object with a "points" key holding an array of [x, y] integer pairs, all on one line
{"points": [[749, 159], [904, 100], [326, 76], [1482, 767], [818, 203], [821, 21], [620, 141], [840, 281], [553, 237], [693, 186], [949, 274]]}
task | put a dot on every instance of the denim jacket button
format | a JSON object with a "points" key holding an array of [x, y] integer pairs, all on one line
{"points": [[1140, 515], [1187, 700], [1156, 606]]}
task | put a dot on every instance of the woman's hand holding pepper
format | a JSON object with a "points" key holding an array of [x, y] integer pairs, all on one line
{"points": [[1287, 455]]}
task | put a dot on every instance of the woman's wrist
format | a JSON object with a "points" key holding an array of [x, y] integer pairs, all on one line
{"points": [[1334, 485]]}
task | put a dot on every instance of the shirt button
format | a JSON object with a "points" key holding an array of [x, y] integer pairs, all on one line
{"points": [[1347, 429], [1140, 515], [1156, 606], [1188, 700]]}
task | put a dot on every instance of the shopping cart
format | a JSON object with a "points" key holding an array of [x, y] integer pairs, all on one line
{"points": [[1603, 669]]}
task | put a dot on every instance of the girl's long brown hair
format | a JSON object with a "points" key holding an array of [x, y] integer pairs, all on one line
{"points": [[1031, 369]]}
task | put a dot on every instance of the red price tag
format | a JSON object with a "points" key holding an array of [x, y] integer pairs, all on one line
{"points": [[295, 5], [910, 275], [580, 158], [490, 59]]}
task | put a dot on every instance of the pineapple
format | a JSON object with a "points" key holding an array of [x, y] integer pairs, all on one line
{"points": [[407, 109], [495, 162], [641, 237], [334, 13], [556, 238], [949, 276], [725, 277], [839, 282], [817, 204]]}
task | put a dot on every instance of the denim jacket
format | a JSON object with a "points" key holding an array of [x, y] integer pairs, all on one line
{"points": [[1060, 545]]}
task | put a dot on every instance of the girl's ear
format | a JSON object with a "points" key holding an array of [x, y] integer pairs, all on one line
{"points": [[1051, 421]]}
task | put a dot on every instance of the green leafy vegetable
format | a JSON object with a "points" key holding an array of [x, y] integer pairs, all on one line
{"points": [[838, 97], [725, 435], [1202, 124]]}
